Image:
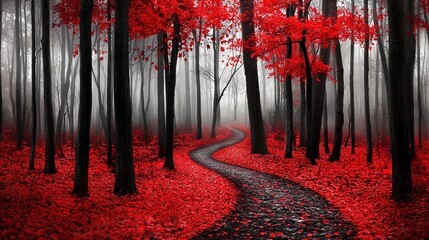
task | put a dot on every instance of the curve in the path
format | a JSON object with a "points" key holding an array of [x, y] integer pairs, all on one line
{"points": [[269, 206]]}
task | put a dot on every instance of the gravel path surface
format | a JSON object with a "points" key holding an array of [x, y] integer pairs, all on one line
{"points": [[270, 207]]}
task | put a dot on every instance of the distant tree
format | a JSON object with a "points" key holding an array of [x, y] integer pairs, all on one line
{"points": [[85, 102], [197, 40], [366, 89], [398, 76], [161, 97], [18, 90], [124, 177], [1, 89], [339, 101], [33, 86], [257, 129], [47, 91]]}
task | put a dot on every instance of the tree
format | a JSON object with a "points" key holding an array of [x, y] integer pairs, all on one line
{"points": [[197, 40], [366, 89], [85, 105], [1, 89], [161, 112], [109, 86], [257, 129], [18, 90], [124, 177], [339, 102], [289, 97], [47, 91], [318, 94], [33, 86], [398, 77]]}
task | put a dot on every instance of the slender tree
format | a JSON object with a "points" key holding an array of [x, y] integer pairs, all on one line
{"points": [[33, 86], [18, 90], [197, 39], [398, 76], [366, 88], [85, 104], [170, 90], [161, 112], [1, 89], [339, 101], [257, 129], [47, 91], [124, 177], [352, 132], [109, 88]]}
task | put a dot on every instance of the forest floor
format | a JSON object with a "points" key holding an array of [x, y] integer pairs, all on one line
{"points": [[169, 204], [182, 203], [360, 190]]}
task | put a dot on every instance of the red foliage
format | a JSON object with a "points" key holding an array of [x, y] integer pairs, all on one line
{"points": [[360, 191], [170, 204]]}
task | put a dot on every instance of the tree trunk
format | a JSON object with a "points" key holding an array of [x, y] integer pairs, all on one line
{"points": [[197, 39], [366, 90], [188, 116], [161, 112], [170, 90], [352, 131], [124, 176], [1, 89], [18, 90], [47, 91], [216, 105], [142, 97], [401, 159], [257, 129], [318, 94], [109, 88], [85, 105], [339, 102], [289, 102], [33, 85], [325, 125]]}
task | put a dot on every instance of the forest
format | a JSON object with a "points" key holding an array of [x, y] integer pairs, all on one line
{"points": [[214, 119]]}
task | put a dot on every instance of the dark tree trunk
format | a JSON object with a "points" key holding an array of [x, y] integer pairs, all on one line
{"points": [[124, 177], [1, 89], [302, 115], [33, 85], [339, 103], [188, 116], [197, 39], [410, 61], [352, 132], [85, 105], [257, 129], [289, 103], [401, 158], [216, 81], [170, 90], [419, 92], [318, 95], [161, 112], [18, 90], [366, 89], [109, 88], [47, 91], [142, 97], [325, 125]]}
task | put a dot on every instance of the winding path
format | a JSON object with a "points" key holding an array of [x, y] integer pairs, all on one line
{"points": [[270, 207]]}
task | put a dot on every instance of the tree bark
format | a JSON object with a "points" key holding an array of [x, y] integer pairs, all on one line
{"points": [[289, 103], [352, 131], [170, 90], [1, 89], [318, 94], [160, 88], [18, 90], [47, 91], [401, 157], [124, 176], [33, 85], [257, 129], [339, 103], [109, 88], [197, 39], [366, 89], [85, 105]]}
